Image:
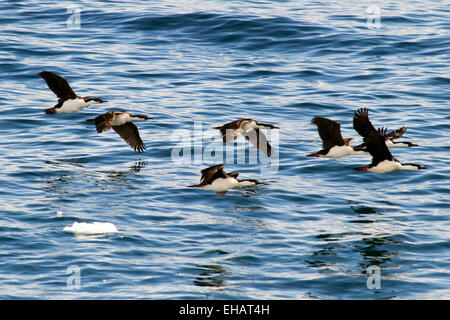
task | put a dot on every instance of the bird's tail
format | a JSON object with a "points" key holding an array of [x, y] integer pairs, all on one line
{"points": [[50, 110], [317, 155]]}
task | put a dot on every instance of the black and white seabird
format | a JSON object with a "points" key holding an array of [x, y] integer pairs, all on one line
{"points": [[364, 127], [121, 122], [250, 129], [68, 100], [334, 146], [382, 159], [215, 179]]}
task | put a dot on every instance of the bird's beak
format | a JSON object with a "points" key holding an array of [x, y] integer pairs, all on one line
{"points": [[195, 186], [361, 168], [101, 100], [413, 144], [422, 167]]}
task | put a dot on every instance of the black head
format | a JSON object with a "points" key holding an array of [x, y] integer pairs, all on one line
{"points": [[255, 181], [404, 143], [233, 174], [141, 116], [267, 126], [98, 100]]}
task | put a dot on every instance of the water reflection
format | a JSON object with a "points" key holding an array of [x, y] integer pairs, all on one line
{"points": [[138, 165], [374, 251], [245, 208], [122, 175], [70, 176], [242, 220], [371, 235], [211, 276], [374, 247], [248, 192], [59, 176]]}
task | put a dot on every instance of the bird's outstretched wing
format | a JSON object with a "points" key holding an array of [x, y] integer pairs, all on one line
{"points": [[329, 132], [103, 122], [58, 85], [130, 134], [362, 124], [396, 134], [211, 173], [377, 148], [259, 140], [231, 130]]}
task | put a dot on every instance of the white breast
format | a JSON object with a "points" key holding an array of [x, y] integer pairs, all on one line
{"points": [[121, 119], [339, 152], [246, 183], [385, 166], [222, 184], [71, 106]]}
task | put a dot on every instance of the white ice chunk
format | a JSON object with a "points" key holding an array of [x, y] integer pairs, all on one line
{"points": [[91, 228]]}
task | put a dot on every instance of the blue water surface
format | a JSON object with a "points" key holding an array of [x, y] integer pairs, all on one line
{"points": [[311, 233]]}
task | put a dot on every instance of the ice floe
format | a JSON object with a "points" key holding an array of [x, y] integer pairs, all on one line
{"points": [[91, 228]]}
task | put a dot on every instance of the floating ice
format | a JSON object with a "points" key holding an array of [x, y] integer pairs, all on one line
{"points": [[91, 228]]}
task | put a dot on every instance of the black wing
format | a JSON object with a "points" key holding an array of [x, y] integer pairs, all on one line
{"points": [[329, 132], [396, 134], [103, 122], [362, 124], [231, 130], [233, 174], [259, 140], [212, 173], [377, 148], [130, 134], [58, 85]]}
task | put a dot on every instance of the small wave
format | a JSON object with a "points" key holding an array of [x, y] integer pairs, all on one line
{"points": [[247, 32], [440, 80]]}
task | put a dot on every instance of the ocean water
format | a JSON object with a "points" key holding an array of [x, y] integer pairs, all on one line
{"points": [[317, 230]]}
